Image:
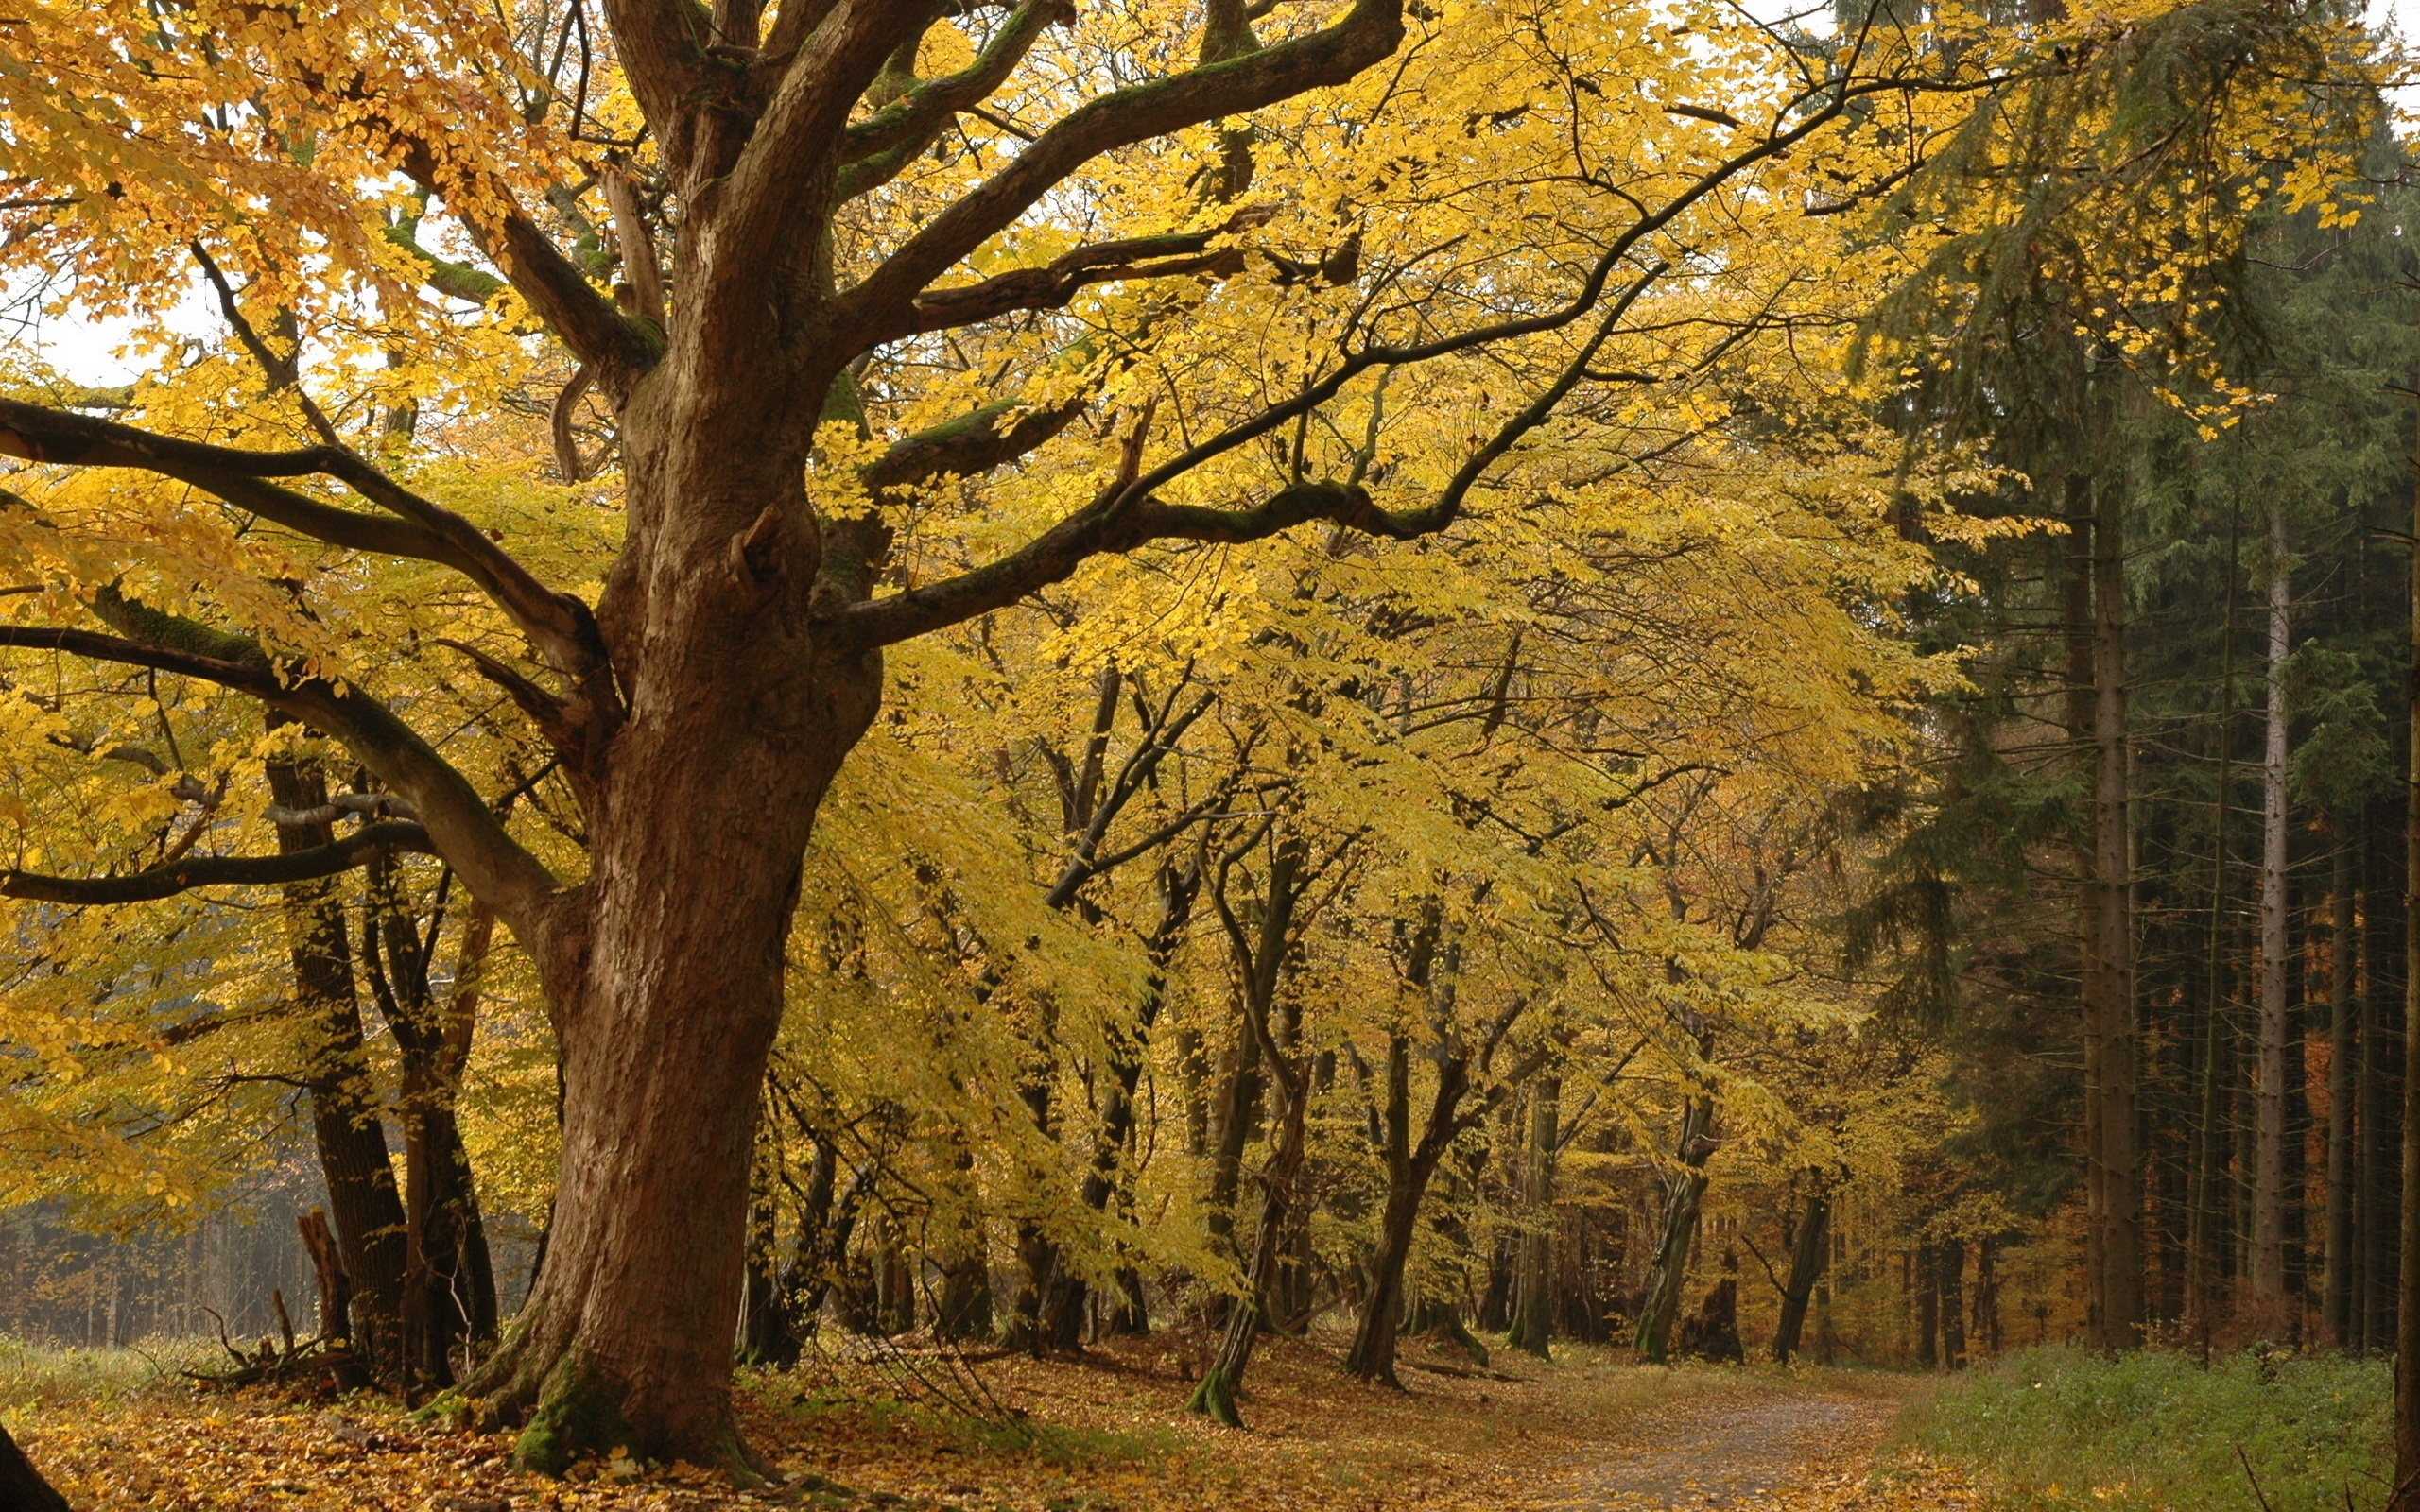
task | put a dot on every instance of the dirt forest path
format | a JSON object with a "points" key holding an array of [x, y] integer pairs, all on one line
{"points": [[1744, 1450]]}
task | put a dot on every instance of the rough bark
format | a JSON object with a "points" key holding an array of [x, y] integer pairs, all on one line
{"points": [[1532, 1329], [1812, 1246], [2110, 1037], [22, 1487], [363, 1200], [1683, 1186], [2343, 1050], [2268, 1293]]}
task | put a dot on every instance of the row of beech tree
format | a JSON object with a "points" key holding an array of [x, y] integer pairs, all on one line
{"points": [[1067, 670]]}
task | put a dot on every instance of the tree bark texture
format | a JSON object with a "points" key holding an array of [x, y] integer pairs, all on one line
{"points": [[2110, 1039], [1534, 1277], [22, 1487], [1683, 1186], [1812, 1244], [2344, 1052], [367, 1210], [2269, 1142]]}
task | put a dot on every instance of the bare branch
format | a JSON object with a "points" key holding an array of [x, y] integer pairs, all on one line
{"points": [[1051, 286], [466, 830], [557, 623], [166, 881]]}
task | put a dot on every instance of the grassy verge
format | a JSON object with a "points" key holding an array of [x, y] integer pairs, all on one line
{"points": [[2047, 1430], [33, 1375]]}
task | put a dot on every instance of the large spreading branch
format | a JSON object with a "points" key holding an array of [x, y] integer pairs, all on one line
{"points": [[153, 882], [1128, 513], [558, 623], [875, 150], [460, 824], [1322, 58]]}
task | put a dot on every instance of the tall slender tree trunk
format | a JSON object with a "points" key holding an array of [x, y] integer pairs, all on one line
{"points": [[1178, 887], [2113, 1182], [1533, 1273], [1811, 1244], [2209, 1153], [364, 1204], [2380, 1131], [2081, 712], [1684, 1187], [2269, 1138], [2336, 1289], [1409, 1169], [1214, 1395], [2405, 1496]]}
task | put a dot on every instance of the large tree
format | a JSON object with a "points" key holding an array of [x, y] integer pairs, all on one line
{"points": [[804, 201]]}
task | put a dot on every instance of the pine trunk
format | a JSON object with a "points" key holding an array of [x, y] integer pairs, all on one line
{"points": [[2268, 1137], [2405, 1495], [2336, 1290], [2110, 1038]]}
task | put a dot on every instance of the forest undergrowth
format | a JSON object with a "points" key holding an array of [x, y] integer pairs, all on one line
{"points": [[915, 1430], [2155, 1430]]}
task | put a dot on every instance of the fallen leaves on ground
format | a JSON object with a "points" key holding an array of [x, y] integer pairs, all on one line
{"points": [[924, 1432]]}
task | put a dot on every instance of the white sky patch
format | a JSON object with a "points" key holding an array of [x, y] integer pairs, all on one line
{"points": [[95, 351]]}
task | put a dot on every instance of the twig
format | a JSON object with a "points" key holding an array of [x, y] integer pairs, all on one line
{"points": [[222, 1336], [2259, 1495]]}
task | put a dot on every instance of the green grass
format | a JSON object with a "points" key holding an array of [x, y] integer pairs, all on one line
{"points": [[41, 1376], [2049, 1430]]}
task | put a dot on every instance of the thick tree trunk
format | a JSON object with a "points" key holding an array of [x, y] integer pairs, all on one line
{"points": [[367, 1210], [1684, 1187], [666, 999], [22, 1487], [2336, 1289], [1807, 1256], [1533, 1275], [2268, 1141]]}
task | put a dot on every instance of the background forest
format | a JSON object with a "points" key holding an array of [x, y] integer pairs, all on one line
{"points": [[1804, 755]]}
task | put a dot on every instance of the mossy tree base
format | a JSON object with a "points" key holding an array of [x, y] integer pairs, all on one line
{"points": [[1213, 1397]]}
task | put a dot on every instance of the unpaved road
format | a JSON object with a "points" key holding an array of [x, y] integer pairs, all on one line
{"points": [[1732, 1452]]}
